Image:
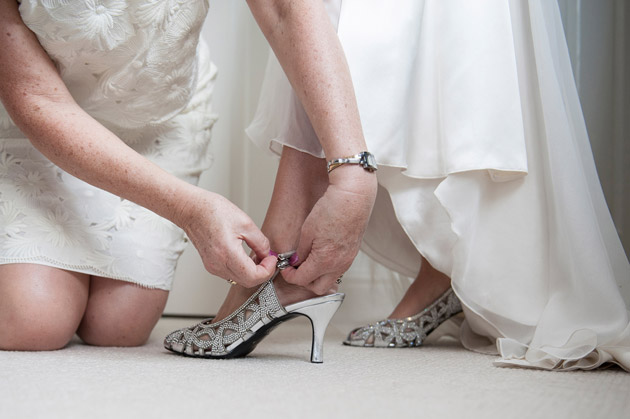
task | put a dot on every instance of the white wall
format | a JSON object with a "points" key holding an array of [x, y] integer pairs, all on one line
{"points": [[240, 51]]}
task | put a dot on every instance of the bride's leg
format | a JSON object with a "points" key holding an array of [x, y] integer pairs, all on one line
{"points": [[428, 286], [300, 181]]}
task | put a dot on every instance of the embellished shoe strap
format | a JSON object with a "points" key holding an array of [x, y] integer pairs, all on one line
{"points": [[221, 337], [270, 300]]}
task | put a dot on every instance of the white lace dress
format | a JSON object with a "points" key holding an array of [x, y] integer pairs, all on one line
{"points": [[138, 67], [484, 168]]}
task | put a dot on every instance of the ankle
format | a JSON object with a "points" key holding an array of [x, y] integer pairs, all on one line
{"points": [[428, 286], [289, 293]]}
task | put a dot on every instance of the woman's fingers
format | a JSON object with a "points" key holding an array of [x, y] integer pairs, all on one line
{"points": [[302, 276], [244, 271], [315, 274], [323, 285], [217, 228], [242, 268], [329, 240], [308, 266], [256, 241], [311, 278]]}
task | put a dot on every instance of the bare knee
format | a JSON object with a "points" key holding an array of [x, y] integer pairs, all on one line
{"points": [[40, 306], [120, 313], [36, 327], [123, 333]]}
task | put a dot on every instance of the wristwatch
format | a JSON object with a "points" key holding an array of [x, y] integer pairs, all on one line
{"points": [[364, 158]]}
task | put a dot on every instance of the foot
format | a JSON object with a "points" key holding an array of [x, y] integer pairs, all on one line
{"points": [[233, 338], [427, 303], [238, 333], [408, 331], [428, 286]]}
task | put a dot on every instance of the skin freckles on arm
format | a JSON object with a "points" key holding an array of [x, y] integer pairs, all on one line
{"points": [[39, 103], [306, 45]]}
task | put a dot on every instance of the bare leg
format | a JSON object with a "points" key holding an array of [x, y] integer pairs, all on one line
{"points": [[427, 287], [40, 307], [120, 313], [301, 180]]}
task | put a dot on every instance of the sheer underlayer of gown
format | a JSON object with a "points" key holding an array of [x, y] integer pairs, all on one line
{"points": [[474, 117]]}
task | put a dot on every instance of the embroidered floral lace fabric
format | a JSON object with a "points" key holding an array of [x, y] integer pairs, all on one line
{"points": [[138, 67]]}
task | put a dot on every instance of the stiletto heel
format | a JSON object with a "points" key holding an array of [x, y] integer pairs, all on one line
{"points": [[320, 315], [239, 333]]}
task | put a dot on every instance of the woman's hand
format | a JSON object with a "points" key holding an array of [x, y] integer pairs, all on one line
{"points": [[306, 45], [42, 107], [331, 234], [217, 229]]}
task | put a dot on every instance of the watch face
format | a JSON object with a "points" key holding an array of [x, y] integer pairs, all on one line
{"points": [[368, 161]]}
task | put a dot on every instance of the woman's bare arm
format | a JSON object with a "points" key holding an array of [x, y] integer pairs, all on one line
{"points": [[304, 40], [39, 103], [307, 47]]}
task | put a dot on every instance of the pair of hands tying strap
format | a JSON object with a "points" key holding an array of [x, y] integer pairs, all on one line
{"points": [[291, 259]]}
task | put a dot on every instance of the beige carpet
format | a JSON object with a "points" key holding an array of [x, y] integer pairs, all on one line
{"points": [[440, 380]]}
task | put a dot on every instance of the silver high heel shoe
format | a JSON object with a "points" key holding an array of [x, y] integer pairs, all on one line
{"points": [[239, 333], [407, 332]]}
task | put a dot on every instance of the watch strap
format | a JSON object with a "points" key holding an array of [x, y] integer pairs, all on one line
{"points": [[365, 159]]}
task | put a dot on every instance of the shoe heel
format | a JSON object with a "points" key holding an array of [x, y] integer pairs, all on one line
{"points": [[320, 314]]}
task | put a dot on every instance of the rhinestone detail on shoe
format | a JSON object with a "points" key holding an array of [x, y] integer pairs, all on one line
{"points": [[410, 331], [208, 339]]}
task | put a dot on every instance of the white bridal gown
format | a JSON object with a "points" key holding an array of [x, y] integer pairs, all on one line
{"points": [[138, 68], [472, 112]]}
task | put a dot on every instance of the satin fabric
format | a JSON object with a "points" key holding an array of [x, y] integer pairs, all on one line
{"points": [[473, 114]]}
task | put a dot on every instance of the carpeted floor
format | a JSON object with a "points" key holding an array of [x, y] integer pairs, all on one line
{"points": [[439, 380]]}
